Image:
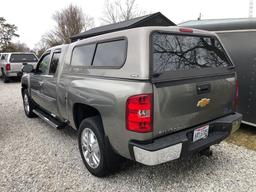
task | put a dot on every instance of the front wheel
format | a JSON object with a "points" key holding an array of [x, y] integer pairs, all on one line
{"points": [[94, 151], [28, 105]]}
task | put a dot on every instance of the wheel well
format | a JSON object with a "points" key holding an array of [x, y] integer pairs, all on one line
{"points": [[82, 111]]}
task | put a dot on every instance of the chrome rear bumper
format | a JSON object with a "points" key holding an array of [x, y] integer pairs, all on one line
{"points": [[180, 144]]}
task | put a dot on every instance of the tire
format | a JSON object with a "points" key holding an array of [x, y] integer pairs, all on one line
{"points": [[28, 104], [104, 153], [5, 78]]}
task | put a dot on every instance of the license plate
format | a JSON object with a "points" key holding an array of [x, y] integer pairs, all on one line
{"points": [[201, 133]]}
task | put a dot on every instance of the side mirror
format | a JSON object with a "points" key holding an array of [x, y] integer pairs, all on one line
{"points": [[27, 68]]}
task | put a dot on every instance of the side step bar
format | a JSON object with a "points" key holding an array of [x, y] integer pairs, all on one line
{"points": [[49, 119]]}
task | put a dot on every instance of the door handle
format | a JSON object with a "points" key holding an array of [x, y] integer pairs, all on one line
{"points": [[203, 88]]}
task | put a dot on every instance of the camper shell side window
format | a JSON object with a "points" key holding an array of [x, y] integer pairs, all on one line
{"points": [[108, 54]]}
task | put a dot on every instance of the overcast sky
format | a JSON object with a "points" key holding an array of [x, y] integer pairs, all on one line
{"points": [[34, 18]]}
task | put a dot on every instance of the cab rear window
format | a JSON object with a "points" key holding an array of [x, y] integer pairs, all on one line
{"points": [[185, 52], [23, 58]]}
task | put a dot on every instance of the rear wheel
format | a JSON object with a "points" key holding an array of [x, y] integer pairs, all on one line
{"points": [[27, 104], [5, 78], [97, 155]]}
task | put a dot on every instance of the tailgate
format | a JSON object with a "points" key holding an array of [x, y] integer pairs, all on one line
{"points": [[17, 67], [17, 60], [193, 80], [180, 106]]}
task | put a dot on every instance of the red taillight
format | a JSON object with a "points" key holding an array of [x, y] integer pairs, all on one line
{"points": [[139, 113], [186, 30], [236, 95], [8, 67]]}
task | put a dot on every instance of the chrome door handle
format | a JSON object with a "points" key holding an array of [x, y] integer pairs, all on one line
{"points": [[41, 83]]}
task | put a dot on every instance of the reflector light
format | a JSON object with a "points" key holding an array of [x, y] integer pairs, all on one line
{"points": [[186, 30], [236, 95], [8, 67]]}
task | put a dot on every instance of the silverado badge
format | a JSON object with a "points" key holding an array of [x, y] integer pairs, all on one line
{"points": [[203, 102]]}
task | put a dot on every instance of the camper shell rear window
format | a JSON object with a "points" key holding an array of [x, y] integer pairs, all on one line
{"points": [[183, 53], [23, 58]]}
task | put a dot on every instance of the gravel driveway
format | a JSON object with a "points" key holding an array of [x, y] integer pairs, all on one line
{"points": [[36, 157]]}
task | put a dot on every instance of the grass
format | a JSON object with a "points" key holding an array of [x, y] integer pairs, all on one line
{"points": [[245, 136]]}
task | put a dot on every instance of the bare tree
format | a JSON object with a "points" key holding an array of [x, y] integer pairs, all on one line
{"points": [[40, 48], [51, 39], [17, 47], [7, 32], [120, 10], [69, 21]]}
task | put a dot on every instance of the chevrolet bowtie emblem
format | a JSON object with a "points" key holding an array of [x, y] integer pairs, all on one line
{"points": [[203, 102]]}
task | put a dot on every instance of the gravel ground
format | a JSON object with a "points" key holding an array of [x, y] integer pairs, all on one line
{"points": [[36, 157]]}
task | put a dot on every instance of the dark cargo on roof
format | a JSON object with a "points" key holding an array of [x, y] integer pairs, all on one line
{"points": [[156, 19]]}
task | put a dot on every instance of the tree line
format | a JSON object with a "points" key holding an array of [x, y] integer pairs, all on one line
{"points": [[7, 33], [68, 22]]}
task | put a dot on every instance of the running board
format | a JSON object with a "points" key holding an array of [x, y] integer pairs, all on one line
{"points": [[49, 119]]}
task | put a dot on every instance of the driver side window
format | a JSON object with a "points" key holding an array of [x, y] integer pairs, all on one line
{"points": [[42, 67]]}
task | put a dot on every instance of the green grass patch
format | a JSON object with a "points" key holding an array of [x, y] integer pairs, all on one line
{"points": [[245, 136]]}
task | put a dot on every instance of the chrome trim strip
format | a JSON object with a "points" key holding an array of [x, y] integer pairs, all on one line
{"points": [[45, 119], [53, 115], [248, 123]]}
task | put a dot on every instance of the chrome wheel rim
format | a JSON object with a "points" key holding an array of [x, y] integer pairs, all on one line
{"points": [[26, 103], [90, 148]]}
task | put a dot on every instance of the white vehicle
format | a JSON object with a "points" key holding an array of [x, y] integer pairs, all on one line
{"points": [[11, 63]]}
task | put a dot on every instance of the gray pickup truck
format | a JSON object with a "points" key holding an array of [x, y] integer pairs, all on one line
{"points": [[149, 94]]}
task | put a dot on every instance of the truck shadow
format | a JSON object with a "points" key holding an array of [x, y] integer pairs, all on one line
{"points": [[172, 172], [12, 80], [186, 164], [69, 131]]}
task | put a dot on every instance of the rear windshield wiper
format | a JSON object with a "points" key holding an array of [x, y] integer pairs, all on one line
{"points": [[156, 74]]}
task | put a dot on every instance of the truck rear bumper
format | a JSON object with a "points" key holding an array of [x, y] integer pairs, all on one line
{"points": [[180, 144], [14, 74]]}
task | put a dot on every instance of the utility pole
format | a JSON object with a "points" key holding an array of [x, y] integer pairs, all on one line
{"points": [[200, 17], [250, 8]]}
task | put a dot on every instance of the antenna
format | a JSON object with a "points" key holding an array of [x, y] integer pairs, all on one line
{"points": [[250, 8]]}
